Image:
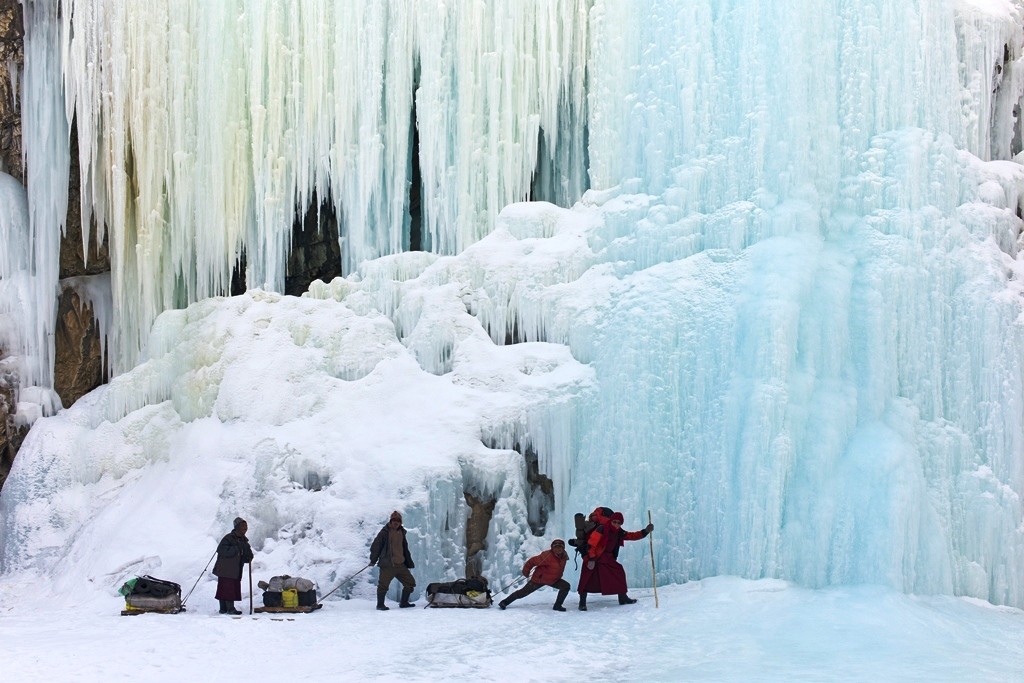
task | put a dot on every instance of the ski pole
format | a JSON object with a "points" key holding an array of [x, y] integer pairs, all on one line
{"points": [[197, 580], [654, 574], [250, 588], [347, 580]]}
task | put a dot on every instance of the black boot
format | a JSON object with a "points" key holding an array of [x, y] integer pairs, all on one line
{"points": [[626, 600], [406, 592], [583, 602], [563, 592], [504, 603], [223, 606], [380, 601], [230, 608]]}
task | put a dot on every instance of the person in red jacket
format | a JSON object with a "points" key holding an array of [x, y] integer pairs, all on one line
{"points": [[547, 571], [602, 573]]}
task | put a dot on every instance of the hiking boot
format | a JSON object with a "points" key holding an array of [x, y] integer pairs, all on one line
{"points": [[502, 605], [383, 608], [558, 608], [626, 600], [380, 602], [583, 602], [223, 607], [231, 609], [405, 598]]}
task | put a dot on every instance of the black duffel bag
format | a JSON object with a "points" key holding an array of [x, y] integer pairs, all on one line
{"points": [[470, 592], [148, 586], [148, 593]]}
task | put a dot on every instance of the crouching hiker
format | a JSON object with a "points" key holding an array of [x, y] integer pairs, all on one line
{"points": [[233, 553], [390, 552], [547, 571]]}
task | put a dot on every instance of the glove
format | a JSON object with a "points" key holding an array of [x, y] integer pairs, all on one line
{"points": [[590, 564], [372, 562], [649, 528]]}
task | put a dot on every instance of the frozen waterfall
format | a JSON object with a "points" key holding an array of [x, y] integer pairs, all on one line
{"points": [[780, 305]]}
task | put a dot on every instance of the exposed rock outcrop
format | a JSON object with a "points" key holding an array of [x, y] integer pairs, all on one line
{"points": [[78, 362], [11, 435], [476, 532], [12, 60], [74, 261], [315, 254]]}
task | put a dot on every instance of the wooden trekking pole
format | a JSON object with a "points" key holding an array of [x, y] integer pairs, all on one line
{"points": [[654, 574], [345, 581], [250, 588]]}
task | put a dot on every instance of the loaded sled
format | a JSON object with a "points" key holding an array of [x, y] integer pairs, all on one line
{"points": [[288, 594], [147, 594], [471, 592]]}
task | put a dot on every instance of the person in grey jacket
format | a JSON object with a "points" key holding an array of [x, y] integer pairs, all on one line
{"points": [[233, 553], [390, 552]]}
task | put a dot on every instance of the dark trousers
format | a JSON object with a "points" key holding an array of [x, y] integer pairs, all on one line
{"points": [[387, 574], [562, 585]]}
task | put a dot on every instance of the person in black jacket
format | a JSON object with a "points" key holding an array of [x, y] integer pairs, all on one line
{"points": [[390, 552], [232, 554]]}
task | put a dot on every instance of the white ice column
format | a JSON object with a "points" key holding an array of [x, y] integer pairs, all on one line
{"points": [[47, 161]]}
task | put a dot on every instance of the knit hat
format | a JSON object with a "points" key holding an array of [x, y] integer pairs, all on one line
{"points": [[617, 517], [557, 541], [239, 522], [396, 515]]}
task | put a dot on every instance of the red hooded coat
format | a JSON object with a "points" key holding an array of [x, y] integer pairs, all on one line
{"points": [[607, 577], [547, 568]]}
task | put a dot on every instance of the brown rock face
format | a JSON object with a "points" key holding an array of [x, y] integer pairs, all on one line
{"points": [[315, 253], [11, 436], [74, 261], [11, 52], [480, 515], [78, 365], [12, 33]]}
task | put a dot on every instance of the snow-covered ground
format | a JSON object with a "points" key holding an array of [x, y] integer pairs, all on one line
{"points": [[719, 629], [785, 320]]}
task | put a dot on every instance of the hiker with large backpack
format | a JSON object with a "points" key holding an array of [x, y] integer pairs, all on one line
{"points": [[547, 570], [390, 552], [233, 553], [602, 573]]}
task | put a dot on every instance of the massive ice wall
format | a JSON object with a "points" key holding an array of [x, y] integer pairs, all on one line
{"points": [[205, 127], [796, 275], [828, 382]]}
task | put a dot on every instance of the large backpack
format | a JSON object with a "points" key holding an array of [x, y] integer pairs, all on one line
{"points": [[586, 526], [470, 592]]}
